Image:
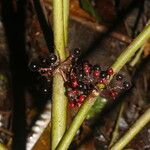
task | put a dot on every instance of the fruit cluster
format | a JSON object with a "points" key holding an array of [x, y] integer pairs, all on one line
{"points": [[45, 66], [81, 77]]}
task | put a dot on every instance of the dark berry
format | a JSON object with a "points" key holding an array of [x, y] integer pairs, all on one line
{"points": [[82, 87], [75, 92], [81, 98], [76, 52], [96, 73], [52, 58], [34, 66], [72, 105], [103, 80], [80, 76], [96, 67], [119, 77], [45, 90], [126, 85], [45, 62], [74, 84], [113, 93], [86, 68], [110, 71], [103, 74]]}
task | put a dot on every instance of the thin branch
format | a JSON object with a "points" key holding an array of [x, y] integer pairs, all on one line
{"points": [[116, 132], [2, 147], [133, 131]]}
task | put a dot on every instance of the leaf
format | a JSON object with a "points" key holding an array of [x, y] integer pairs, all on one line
{"points": [[97, 107], [86, 5]]}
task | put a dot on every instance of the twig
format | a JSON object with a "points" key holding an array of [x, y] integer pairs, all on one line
{"points": [[133, 131], [115, 132], [119, 63], [137, 57], [6, 131], [2, 147]]}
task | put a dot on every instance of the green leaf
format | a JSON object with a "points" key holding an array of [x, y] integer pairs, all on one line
{"points": [[97, 107], [86, 5]]}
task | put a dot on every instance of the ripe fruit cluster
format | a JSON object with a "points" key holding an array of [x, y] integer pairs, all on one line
{"points": [[81, 77], [45, 67]]}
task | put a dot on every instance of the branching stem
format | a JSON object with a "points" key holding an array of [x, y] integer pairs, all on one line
{"points": [[119, 63]]}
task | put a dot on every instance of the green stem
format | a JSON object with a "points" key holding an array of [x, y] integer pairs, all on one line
{"points": [[65, 19], [58, 28], [81, 115], [131, 49], [116, 129], [133, 131], [70, 133], [2, 147], [59, 101]]}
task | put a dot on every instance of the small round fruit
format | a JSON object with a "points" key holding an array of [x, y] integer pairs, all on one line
{"points": [[96, 73], [113, 94], [34, 66], [103, 74], [110, 71], [74, 84], [126, 85], [52, 58], [96, 67], [76, 52], [72, 105], [119, 77], [81, 98]]}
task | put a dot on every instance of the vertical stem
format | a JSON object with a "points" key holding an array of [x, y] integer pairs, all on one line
{"points": [[2, 147], [59, 102], [116, 129], [58, 28], [137, 126], [65, 19], [59, 106]]}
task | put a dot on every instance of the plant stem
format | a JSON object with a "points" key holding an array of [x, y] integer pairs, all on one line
{"points": [[70, 133], [82, 113], [59, 101], [136, 127], [116, 132], [2, 147], [131, 49], [58, 28], [59, 106], [65, 19]]}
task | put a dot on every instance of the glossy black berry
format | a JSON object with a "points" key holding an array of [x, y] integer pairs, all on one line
{"points": [[52, 58], [81, 76], [34, 66], [126, 85], [45, 62], [76, 52], [103, 74], [82, 86], [119, 77], [96, 67]]}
